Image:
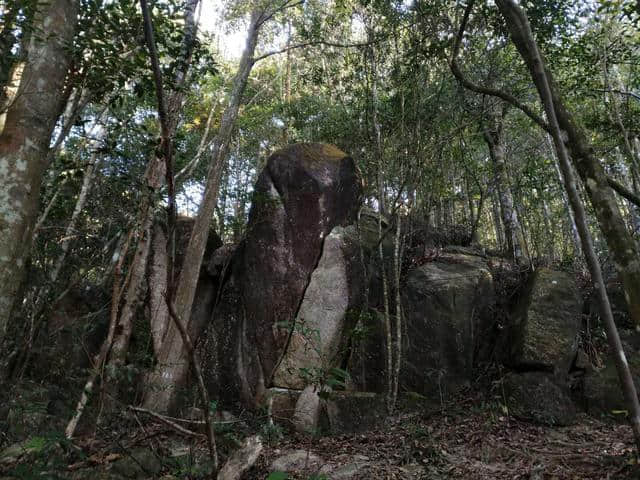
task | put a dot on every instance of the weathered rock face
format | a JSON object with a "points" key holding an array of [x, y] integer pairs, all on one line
{"points": [[307, 411], [445, 306], [319, 338], [602, 390], [545, 324], [618, 303], [304, 192], [353, 412], [539, 397]]}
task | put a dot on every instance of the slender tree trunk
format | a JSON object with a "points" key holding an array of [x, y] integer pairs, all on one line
{"points": [[397, 263], [548, 226], [287, 87], [375, 123], [74, 108], [133, 297], [493, 135], [172, 361], [204, 143], [24, 142], [621, 245], [377, 135], [100, 358], [519, 27], [495, 214], [154, 180], [158, 267], [565, 200]]}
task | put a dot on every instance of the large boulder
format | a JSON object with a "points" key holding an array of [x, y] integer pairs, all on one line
{"points": [[619, 308], [539, 397], [445, 305], [303, 193], [602, 391], [545, 324], [352, 412]]}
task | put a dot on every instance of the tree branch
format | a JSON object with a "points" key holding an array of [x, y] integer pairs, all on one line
{"points": [[313, 43], [620, 92], [266, 17], [166, 421], [469, 85], [623, 192]]}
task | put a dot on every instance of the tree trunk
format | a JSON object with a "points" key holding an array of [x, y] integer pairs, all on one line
{"points": [[154, 178], [172, 362], [519, 27], [621, 245], [565, 200], [7, 43], [495, 214], [493, 135], [24, 142]]}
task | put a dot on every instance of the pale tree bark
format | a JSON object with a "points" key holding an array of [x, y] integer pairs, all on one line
{"points": [[496, 217], [24, 142], [520, 30], [565, 200], [494, 137], [172, 359]]}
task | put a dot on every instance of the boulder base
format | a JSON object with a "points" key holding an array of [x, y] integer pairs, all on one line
{"points": [[539, 397]]}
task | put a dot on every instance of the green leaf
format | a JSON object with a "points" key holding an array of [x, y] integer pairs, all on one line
{"points": [[36, 443], [277, 476]]}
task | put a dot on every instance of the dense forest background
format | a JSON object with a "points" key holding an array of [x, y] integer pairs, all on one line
{"points": [[520, 139]]}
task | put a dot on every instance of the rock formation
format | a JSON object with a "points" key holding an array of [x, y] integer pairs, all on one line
{"points": [[304, 192]]}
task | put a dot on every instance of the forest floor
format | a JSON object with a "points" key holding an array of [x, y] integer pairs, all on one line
{"points": [[458, 441], [477, 445]]}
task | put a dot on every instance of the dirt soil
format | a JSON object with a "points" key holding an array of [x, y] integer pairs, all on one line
{"points": [[478, 446]]}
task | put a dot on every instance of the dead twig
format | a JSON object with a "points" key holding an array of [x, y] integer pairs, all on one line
{"points": [[166, 421]]}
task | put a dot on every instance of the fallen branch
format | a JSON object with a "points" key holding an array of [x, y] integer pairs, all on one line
{"points": [[166, 421]]}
